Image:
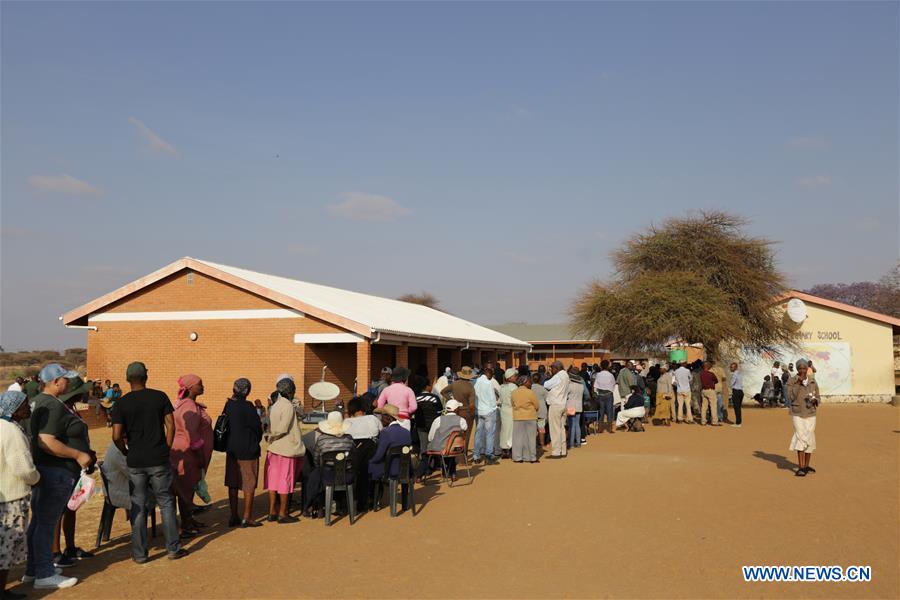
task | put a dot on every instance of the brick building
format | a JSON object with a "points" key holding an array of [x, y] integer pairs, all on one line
{"points": [[223, 322], [551, 342]]}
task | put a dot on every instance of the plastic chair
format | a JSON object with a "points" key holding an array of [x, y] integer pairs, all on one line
{"points": [[337, 470], [454, 448], [109, 512], [590, 416], [405, 476]]}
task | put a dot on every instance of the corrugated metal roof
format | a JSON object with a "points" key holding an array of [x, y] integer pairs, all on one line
{"points": [[552, 332], [382, 315]]}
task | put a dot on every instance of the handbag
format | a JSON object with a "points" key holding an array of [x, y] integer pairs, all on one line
{"points": [[220, 433]]}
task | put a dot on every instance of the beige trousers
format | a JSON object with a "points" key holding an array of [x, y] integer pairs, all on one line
{"points": [[556, 416], [709, 401], [684, 402]]}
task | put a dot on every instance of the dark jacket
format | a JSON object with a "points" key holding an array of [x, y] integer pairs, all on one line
{"points": [[392, 435], [244, 429], [634, 401], [429, 409], [463, 392]]}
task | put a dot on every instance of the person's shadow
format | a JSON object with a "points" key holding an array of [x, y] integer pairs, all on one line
{"points": [[779, 461]]}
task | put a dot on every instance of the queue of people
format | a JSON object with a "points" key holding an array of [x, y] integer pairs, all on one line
{"points": [[161, 451]]}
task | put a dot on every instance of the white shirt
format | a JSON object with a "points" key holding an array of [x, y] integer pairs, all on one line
{"points": [[737, 382], [557, 388], [437, 423], [683, 379], [496, 385], [366, 427], [604, 380]]}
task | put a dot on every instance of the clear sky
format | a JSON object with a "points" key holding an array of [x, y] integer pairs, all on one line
{"points": [[493, 154]]}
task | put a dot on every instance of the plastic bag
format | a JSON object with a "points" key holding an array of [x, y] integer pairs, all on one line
{"points": [[84, 489], [203, 490]]}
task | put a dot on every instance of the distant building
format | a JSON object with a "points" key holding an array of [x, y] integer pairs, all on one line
{"points": [[224, 322], [555, 342]]}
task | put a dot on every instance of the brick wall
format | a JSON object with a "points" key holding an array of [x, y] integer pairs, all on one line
{"points": [[204, 293], [259, 349], [341, 361]]}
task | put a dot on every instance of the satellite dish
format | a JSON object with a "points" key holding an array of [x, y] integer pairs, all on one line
{"points": [[324, 391], [796, 310]]}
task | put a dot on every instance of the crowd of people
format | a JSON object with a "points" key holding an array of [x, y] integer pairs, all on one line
{"points": [[161, 450]]}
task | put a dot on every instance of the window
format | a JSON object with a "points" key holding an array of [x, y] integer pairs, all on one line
{"points": [[190, 278]]}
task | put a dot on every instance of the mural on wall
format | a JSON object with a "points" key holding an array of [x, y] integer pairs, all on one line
{"points": [[834, 367]]}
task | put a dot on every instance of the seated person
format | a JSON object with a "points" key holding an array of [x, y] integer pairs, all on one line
{"points": [[330, 435], [440, 432], [634, 409], [394, 434], [364, 430]]}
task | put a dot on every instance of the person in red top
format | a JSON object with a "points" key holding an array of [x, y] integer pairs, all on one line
{"points": [[400, 395], [708, 381]]}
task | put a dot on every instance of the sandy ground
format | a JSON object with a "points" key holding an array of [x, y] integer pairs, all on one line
{"points": [[669, 513]]}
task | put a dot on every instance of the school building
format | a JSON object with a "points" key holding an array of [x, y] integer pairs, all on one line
{"points": [[223, 322], [853, 349]]}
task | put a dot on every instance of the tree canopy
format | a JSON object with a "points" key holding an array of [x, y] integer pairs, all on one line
{"points": [[695, 279], [881, 296], [423, 298]]}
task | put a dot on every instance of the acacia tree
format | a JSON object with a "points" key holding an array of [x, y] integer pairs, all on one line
{"points": [[697, 279], [423, 298]]}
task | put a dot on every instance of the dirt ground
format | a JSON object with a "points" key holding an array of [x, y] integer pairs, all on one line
{"points": [[668, 513]]}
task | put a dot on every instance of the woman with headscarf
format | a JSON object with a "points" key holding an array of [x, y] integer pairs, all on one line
{"points": [[283, 460], [17, 475], [188, 453], [803, 400], [506, 411], [242, 453]]}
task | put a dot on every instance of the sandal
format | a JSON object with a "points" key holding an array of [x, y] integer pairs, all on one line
{"points": [[810, 470], [800, 473]]}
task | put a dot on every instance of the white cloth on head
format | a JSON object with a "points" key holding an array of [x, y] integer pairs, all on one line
{"points": [[804, 439], [14, 387]]}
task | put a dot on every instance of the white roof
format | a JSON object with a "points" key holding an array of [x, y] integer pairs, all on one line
{"points": [[382, 315]]}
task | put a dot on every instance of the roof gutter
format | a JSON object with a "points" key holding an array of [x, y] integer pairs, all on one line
{"points": [[520, 346]]}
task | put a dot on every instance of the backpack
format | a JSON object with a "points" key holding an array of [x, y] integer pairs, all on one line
{"points": [[220, 433]]}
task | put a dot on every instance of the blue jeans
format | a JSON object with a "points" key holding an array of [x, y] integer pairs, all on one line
{"points": [[484, 436], [159, 479], [48, 500], [574, 430], [605, 400]]}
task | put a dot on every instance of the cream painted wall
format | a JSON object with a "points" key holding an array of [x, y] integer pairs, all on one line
{"points": [[871, 346]]}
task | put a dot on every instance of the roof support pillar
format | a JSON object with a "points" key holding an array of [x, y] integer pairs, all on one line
{"points": [[431, 362], [363, 365], [402, 356]]}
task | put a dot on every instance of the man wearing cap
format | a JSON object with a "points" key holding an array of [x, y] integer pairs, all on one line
{"points": [[59, 461], [440, 432], [400, 395], [463, 392], [557, 393], [143, 430]]}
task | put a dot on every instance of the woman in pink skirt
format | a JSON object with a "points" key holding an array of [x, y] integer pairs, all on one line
{"points": [[283, 460]]}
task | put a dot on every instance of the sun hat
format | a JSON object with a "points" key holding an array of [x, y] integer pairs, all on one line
{"points": [[453, 405], [466, 373], [77, 387], [510, 374], [54, 371], [389, 410], [334, 424]]}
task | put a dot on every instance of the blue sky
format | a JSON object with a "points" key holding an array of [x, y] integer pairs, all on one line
{"points": [[493, 154]]}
